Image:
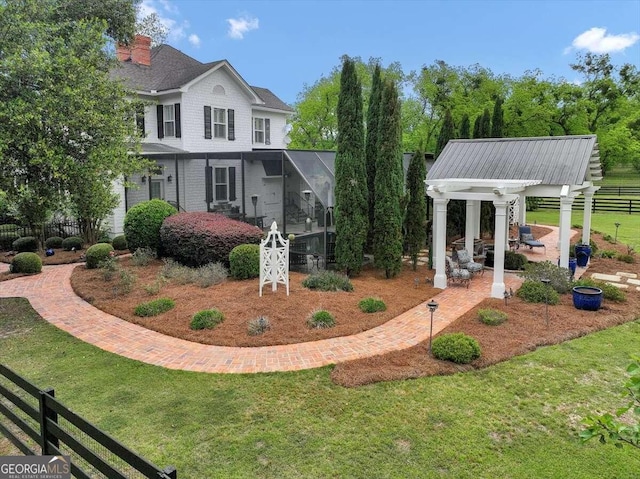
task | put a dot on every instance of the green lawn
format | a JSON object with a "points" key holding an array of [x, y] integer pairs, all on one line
{"points": [[519, 419], [621, 176], [628, 232]]}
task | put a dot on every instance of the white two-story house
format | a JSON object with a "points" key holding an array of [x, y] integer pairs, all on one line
{"points": [[208, 131]]}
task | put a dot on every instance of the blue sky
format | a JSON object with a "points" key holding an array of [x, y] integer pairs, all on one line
{"points": [[283, 45]]}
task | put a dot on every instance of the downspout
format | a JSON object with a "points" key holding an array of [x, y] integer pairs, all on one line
{"points": [[243, 185], [126, 191], [177, 182]]}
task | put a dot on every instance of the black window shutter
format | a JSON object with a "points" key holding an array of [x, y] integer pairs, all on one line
{"points": [[140, 120], [232, 124], [232, 183], [208, 183], [267, 131], [176, 109], [160, 116], [207, 122]]}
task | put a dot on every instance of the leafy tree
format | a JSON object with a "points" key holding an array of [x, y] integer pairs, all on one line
{"points": [[66, 125], [388, 185], [351, 174], [610, 428], [477, 127], [447, 132], [416, 214], [485, 124], [371, 146], [497, 125], [465, 127], [152, 27]]}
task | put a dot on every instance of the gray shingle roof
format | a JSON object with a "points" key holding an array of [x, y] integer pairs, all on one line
{"points": [[555, 160], [171, 69]]}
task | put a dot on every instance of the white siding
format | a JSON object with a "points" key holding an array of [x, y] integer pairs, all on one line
{"points": [[277, 130], [115, 222]]}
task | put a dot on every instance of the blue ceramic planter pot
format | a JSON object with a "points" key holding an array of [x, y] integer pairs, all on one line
{"points": [[583, 252], [587, 297]]}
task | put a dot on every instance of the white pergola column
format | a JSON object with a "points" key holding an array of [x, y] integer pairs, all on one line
{"points": [[565, 230], [477, 214], [439, 241], [498, 287], [586, 215], [471, 220], [522, 209]]}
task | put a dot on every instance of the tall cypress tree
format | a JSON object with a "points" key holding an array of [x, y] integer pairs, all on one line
{"points": [[351, 192], [387, 242], [371, 146], [465, 127], [447, 132], [477, 127], [416, 215], [485, 124], [498, 119]]}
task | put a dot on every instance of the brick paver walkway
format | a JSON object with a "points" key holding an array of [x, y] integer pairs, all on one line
{"points": [[51, 296]]}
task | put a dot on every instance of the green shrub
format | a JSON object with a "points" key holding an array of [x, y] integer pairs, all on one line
{"points": [[127, 281], [492, 317], [54, 242], [209, 274], [371, 305], [26, 263], [244, 261], [537, 292], [7, 239], [608, 253], [143, 256], [328, 281], [119, 243], [72, 242], [608, 238], [457, 347], [206, 319], [26, 244], [195, 239], [142, 224], [559, 278], [609, 291], [625, 258], [108, 268], [514, 261], [321, 319], [258, 326], [155, 307], [98, 253], [156, 286]]}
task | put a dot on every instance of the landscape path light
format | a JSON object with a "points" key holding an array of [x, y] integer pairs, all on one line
{"points": [[546, 282], [432, 305]]}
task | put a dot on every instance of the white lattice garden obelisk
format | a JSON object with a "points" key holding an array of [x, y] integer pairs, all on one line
{"points": [[274, 260]]}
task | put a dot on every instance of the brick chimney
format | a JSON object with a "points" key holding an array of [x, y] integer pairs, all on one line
{"points": [[139, 52]]}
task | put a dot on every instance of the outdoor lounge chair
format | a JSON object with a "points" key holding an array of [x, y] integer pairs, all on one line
{"points": [[526, 238], [456, 275], [465, 261]]}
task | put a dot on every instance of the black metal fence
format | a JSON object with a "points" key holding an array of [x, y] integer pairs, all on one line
{"points": [[619, 190], [37, 423], [611, 205], [63, 228]]}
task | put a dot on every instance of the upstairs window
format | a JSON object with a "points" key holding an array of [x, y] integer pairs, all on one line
{"points": [[169, 121], [262, 131], [219, 123]]}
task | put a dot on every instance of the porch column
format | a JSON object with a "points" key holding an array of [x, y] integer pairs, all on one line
{"points": [[498, 287], [522, 209], [470, 226], [565, 230], [440, 241], [476, 215], [586, 215]]}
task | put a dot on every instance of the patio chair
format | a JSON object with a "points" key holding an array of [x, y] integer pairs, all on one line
{"points": [[465, 261], [526, 238], [456, 275]]}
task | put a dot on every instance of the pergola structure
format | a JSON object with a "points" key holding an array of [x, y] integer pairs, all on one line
{"points": [[502, 170]]}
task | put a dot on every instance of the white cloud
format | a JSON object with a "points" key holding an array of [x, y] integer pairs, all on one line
{"points": [[596, 40], [239, 26], [165, 9], [194, 40]]}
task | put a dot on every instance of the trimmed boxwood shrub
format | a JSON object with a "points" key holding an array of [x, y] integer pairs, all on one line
{"points": [[514, 261], [26, 263], [244, 261], [54, 242], [321, 319], [72, 242], [26, 244], [195, 239], [371, 305], [492, 317], [155, 307], [119, 243], [538, 292], [206, 319], [456, 347], [7, 239], [142, 224], [98, 253]]}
